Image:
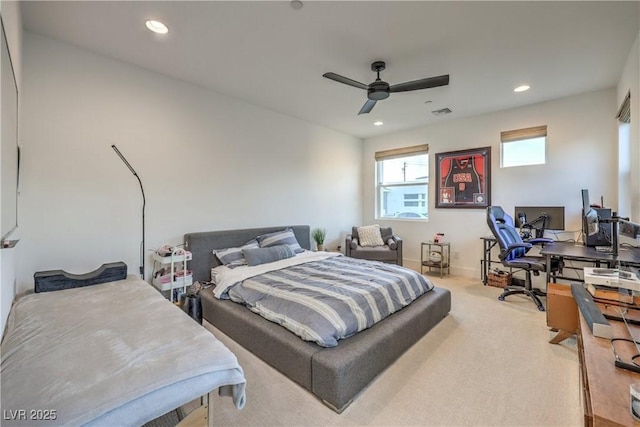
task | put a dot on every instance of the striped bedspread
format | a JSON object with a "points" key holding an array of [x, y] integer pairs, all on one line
{"points": [[326, 298]]}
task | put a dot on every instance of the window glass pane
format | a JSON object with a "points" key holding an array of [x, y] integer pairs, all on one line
{"points": [[393, 204], [524, 152], [404, 169], [402, 187]]}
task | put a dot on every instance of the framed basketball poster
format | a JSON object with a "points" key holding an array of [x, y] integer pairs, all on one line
{"points": [[463, 178]]}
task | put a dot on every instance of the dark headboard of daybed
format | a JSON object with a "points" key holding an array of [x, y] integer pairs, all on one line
{"points": [[202, 244]]}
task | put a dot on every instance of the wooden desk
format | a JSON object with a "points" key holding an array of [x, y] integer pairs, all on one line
{"points": [[605, 388], [570, 250]]}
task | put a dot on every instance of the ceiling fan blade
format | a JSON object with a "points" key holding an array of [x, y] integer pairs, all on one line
{"points": [[340, 79], [367, 107], [421, 84]]}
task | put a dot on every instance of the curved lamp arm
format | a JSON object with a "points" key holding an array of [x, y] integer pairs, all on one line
{"points": [[144, 202]]}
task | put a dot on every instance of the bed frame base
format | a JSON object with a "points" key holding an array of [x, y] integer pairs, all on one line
{"points": [[335, 375], [334, 408], [201, 416]]}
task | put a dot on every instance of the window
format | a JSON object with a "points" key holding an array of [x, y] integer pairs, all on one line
{"points": [[625, 176], [523, 147], [624, 113], [402, 177]]}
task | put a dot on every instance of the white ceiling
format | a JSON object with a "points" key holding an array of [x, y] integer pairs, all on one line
{"points": [[271, 55]]}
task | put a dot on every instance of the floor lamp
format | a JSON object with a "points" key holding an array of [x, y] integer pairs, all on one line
{"points": [[142, 250]]}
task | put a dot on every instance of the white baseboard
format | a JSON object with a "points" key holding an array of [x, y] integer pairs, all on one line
{"points": [[456, 270]]}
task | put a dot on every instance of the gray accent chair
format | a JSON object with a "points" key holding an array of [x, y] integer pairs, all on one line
{"points": [[391, 252]]}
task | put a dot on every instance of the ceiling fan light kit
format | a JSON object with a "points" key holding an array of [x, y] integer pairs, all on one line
{"points": [[379, 90]]}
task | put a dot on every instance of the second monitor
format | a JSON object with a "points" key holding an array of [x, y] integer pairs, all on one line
{"points": [[540, 218]]}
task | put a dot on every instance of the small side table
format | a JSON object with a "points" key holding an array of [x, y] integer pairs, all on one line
{"points": [[444, 261]]}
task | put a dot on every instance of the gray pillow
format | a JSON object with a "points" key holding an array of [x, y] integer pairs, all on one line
{"points": [[386, 233], [354, 243], [277, 238], [257, 256], [393, 245], [232, 257]]}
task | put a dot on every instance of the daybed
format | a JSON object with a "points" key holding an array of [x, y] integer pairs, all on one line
{"points": [[335, 375], [115, 353]]}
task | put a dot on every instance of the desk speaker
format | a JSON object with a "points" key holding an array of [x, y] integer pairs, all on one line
{"points": [[598, 324]]}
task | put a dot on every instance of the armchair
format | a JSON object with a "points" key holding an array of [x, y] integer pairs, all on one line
{"points": [[513, 254], [390, 251]]}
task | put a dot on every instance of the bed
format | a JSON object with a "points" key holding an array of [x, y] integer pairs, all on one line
{"points": [[115, 353], [336, 374]]}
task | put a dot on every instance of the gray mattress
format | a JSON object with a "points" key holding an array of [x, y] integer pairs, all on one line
{"points": [[117, 353], [335, 375]]}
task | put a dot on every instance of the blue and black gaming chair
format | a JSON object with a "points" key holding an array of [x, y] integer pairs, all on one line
{"points": [[513, 254]]}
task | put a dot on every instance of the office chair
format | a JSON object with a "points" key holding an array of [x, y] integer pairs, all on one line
{"points": [[513, 254]]}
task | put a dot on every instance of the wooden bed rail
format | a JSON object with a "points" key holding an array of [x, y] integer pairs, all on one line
{"points": [[201, 416]]}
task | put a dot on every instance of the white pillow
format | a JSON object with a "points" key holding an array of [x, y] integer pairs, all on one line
{"points": [[369, 235]]}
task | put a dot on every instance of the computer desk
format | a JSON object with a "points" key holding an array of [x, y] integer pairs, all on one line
{"points": [[578, 252], [485, 263]]}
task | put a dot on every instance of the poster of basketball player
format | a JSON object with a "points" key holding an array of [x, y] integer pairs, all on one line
{"points": [[463, 178]]}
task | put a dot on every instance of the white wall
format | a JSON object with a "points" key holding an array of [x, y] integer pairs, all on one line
{"points": [[207, 162], [581, 153], [12, 22]]}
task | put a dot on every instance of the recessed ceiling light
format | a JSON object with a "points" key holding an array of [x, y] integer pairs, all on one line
{"points": [[156, 26], [296, 4], [378, 123], [522, 88]]}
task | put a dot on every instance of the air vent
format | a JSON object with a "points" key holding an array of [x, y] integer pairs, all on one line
{"points": [[442, 111]]}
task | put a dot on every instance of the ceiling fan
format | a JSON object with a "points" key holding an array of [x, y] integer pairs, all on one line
{"points": [[380, 90]]}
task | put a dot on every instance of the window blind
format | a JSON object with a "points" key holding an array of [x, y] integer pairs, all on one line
{"points": [[624, 113], [402, 152], [527, 133]]}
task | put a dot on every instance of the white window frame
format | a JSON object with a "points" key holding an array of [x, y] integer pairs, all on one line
{"points": [[532, 140], [405, 152]]}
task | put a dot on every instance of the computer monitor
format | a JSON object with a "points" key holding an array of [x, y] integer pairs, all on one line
{"points": [[591, 222], [586, 203], [528, 214], [597, 227]]}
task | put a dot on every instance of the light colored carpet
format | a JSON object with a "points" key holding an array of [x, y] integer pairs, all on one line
{"points": [[169, 419], [488, 363]]}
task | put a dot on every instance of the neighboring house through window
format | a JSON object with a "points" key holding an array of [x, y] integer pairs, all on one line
{"points": [[402, 178]]}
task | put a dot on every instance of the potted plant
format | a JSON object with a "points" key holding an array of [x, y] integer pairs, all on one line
{"points": [[318, 235]]}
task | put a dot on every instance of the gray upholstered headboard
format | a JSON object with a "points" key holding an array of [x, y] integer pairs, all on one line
{"points": [[202, 244]]}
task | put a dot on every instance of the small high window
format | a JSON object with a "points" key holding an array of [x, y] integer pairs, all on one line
{"points": [[523, 147]]}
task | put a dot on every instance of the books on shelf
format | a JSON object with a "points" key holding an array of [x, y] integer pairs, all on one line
{"points": [[609, 293]]}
